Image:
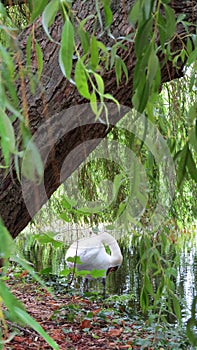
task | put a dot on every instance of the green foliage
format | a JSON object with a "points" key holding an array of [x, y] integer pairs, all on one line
{"points": [[158, 298], [176, 120], [192, 324]]}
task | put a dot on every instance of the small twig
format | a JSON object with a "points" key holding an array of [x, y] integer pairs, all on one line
{"points": [[21, 328]]}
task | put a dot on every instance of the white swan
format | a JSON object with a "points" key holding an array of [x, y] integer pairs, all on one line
{"points": [[93, 255]]}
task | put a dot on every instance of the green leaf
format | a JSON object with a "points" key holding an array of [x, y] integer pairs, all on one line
{"points": [[125, 70], [64, 217], [191, 166], [191, 334], [193, 137], [148, 285], [139, 78], [7, 136], [93, 102], [143, 36], [98, 273], [85, 39], [140, 98], [64, 272], [134, 13], [162, 30], [7, 246], [118, 69], [170, 24], [10, 302], [81, 79], [67, 49], [110, 97], [113, 55], [9, 83], [49, 15], [84, 35], [82, 273], [39, 59], [100, 83], [192, 57], [27, 319], [176, 306], [38, 7], [107, 12], [45, 239], [28, 52], [68, 203], [94, 53], [32, 166], [153, 65], [182, 165], [7, 59], [75, 260]]}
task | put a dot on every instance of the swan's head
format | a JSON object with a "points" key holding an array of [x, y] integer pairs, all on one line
{"points": [[111, 269]]}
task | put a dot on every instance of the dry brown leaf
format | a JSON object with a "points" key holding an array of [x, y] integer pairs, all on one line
{"points": [[85, 324], [114, 332]]}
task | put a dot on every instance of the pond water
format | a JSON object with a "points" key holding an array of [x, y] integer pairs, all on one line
{"points": [[126, 280]]}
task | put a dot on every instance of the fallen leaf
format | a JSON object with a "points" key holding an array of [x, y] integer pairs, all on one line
{"points": [[85, 324], [95, 312], [114, 332]]}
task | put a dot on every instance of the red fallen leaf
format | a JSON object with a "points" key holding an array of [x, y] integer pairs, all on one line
{"points": [[114, 332], [85, 324]]}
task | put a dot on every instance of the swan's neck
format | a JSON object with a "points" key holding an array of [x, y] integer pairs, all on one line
{"points": [[116, 255]]}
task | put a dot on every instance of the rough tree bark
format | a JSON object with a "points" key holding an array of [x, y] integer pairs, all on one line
{"points": [[49, 111]]}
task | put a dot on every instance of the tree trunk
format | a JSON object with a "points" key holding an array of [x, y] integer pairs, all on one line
{"points": [[59, 119]]}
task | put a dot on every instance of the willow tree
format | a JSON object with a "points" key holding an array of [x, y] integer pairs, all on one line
{"points": [[68, 54]]}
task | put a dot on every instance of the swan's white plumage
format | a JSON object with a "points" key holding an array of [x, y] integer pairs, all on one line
{"points": [[93, 255]]}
